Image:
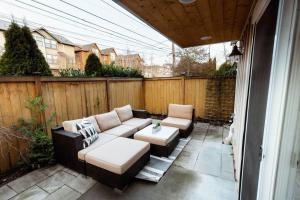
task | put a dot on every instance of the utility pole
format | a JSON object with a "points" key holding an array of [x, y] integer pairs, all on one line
{"points": [[173, 57]]}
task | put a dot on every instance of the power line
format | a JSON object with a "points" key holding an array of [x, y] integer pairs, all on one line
{"points": [[84, 40], [99, 17], [83, 24], [123, 13], [86, 21], [76, 25]]}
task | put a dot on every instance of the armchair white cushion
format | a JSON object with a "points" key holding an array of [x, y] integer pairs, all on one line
{"points": [[180, 111], [108, 120]]}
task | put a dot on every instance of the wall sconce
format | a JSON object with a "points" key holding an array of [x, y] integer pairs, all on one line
{"points": [[235, 53]]}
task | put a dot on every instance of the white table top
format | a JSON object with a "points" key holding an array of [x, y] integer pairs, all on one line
{"points": [[161, 137]]}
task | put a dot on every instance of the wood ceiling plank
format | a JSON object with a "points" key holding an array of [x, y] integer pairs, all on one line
{"points": [[186, 24]]}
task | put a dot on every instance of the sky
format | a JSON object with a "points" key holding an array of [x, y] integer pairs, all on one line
{"points": [[99, 21]]}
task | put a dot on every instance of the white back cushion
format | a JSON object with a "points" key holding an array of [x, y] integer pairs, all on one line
{"points": [[124, 113], [180, 111], [71, 124], [108, 120]]}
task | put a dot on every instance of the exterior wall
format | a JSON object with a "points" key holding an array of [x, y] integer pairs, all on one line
{"points": [[2, 42], [129, 61], [242, 84], [106, 59]]}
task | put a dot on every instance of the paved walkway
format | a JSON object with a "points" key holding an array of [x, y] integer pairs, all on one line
{"points": [[204, 170]]}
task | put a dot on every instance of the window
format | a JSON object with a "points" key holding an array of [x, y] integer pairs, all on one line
{"points": [[51, 59], [39, 40], [50, 44], [95, 51]]}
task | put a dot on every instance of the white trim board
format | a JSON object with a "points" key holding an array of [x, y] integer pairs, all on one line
{"points": [[277, 98]]}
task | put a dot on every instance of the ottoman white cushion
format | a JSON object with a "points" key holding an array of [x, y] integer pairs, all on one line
{"points": [[118, 155], [162, 137]]}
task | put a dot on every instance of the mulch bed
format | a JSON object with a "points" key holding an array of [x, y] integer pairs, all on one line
{"points": [[14, 174]]}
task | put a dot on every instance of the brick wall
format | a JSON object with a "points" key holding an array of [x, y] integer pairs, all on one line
{"points": [[219, 101]]}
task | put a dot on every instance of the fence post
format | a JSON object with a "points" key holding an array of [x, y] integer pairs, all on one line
{"points": [[183, 91], [38, 92], [108, 97]]}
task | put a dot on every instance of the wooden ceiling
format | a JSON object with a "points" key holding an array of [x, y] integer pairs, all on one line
{"points": [[187, 25]]}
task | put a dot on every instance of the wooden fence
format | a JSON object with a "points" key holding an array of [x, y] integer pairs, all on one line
{"points": [[72, 98]]}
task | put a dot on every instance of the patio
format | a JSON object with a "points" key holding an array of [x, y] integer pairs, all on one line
{"points": [[204, 170]]}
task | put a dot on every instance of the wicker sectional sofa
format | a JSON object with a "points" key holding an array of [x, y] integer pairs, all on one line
{"points": [[113, 159]]}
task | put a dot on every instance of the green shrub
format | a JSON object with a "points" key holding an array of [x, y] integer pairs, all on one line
{"points": [[93, 65], [70, 72], [227, 69], [41, 150], [118, 71], [22, 55]]}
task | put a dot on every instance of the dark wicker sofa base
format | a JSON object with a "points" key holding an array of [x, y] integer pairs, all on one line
{"points": [[164, 151], [117, 180]]}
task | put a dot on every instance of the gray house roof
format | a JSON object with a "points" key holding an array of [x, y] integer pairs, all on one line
{"points": [[60, 39]]}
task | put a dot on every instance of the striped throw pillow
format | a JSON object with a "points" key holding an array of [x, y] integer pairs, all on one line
{"points": [[87, 130]]}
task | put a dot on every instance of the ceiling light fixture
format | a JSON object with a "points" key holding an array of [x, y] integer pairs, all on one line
{"points": [[206, 37], [187, 1]]}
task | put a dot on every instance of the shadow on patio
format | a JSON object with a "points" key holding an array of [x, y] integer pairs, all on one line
{"points": [[204, 170]]}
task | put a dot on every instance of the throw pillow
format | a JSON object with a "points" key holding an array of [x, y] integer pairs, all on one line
{"points": [[87, 130]]}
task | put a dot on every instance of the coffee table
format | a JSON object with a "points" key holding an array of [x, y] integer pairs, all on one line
{"points": [[163, 142]]}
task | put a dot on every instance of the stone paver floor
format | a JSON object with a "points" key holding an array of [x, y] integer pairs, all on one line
{"points": [[204, 170]]}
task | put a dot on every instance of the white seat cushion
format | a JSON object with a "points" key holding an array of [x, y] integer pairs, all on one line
{"points": [[102, 139], [124, 113], [108, 120], [118, 155], [71, 124], [121, 131], [163, 137], [176, 122], [180, 111], [138, 122]]}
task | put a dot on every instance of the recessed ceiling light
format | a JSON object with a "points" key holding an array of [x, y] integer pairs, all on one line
{"points": [[187, 1], [206, 38]]}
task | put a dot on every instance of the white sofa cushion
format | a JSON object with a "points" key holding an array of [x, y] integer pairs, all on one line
{"points": [[138, 122], [165, 135], [118, 155], [176, 122], [102, 139], [121, 131], [124, 113], [71, 124], [108, 120], [180, 111]]}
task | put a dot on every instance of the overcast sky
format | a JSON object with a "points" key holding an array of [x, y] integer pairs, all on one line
{"points": [[125, 32]]}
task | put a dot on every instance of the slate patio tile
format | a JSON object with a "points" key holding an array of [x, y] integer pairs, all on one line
{"points": [[33, 193], [209, 162], [64, 193], [186, 160], [81, 183], [27, 181], [49, 171], [70, 171], [194, 146], [56, 181], [6, 193]]}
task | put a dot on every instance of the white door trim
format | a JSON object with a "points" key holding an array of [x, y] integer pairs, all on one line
{"points": [[278, 86]]}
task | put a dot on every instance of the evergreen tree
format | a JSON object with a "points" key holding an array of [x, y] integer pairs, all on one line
{"points": [[22, 55], [93, 65]]}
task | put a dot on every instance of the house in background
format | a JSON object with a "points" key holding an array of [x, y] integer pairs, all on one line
{"points": [[131, 60], [82, 52], [58, 51], [108, 56]]}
